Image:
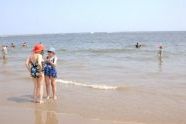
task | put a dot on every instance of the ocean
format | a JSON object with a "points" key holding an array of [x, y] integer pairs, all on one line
{"points": [[103, 76]]}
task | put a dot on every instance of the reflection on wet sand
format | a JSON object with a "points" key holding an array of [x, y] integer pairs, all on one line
{"points": [[51, 118], [4, 61], [45, 117], [39, 117], [160, 63]]}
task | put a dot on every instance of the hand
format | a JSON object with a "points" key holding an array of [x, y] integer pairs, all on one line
{"points": [[47, 60]]}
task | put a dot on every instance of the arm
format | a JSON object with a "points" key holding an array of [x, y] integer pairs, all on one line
{"points": [[27, 63], [53, 63]]}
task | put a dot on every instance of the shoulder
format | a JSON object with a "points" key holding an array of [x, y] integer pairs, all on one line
{"points": [[39, 56]]}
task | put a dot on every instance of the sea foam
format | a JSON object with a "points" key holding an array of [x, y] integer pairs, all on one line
{"points": [[94, 86]]}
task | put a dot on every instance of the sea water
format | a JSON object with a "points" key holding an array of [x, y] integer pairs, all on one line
{"points": [[103, 75]]}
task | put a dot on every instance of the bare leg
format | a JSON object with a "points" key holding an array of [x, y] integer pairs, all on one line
{"points": [[47, 83], [53, 81], [4, 57], [40, 88], [35, 90]]}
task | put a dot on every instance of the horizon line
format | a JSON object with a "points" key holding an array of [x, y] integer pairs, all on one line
{"points": [[37, 34]]}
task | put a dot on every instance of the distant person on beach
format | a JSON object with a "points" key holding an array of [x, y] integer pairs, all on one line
{"points": [[138, 45], [4, 51], [34, 64], [160, 52], [50, 72]]}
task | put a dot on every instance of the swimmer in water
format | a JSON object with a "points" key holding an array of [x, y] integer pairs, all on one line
{"points": [[24, 44], [138, 45], [12, 45]]}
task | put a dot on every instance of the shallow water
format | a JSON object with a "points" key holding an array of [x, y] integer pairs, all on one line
{"points": [[103, 76]]}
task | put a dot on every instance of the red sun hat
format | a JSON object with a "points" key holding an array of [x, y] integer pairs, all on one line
{"points": [[38, 48]]}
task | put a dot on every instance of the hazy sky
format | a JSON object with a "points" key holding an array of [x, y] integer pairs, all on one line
{"points": [[64, 16]]}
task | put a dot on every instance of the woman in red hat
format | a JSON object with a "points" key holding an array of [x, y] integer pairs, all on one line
{"points": [[34, 64]]}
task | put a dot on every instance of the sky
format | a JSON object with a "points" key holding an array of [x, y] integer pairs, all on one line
{"points": [[73, 16]]}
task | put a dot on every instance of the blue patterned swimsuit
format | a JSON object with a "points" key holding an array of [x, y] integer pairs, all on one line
{"points": [[36, 70], [50, 70]]}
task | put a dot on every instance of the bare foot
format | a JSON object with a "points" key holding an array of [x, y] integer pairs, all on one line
{"points": [[34, 100], [40, 101], [55, 97], [48, 97]]}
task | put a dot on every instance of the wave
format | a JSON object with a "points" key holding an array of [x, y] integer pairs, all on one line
{"points": [[94, 86], [106, 50], [129, 50], [110, 50]]}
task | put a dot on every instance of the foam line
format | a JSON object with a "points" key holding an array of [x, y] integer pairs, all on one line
{"points": [[95, 86]]}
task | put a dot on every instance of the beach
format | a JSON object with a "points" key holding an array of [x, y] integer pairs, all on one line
{"points": [[102, 79]]}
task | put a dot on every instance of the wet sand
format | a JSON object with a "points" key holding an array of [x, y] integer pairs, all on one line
{"points": [[40, 116], [94, 107], [16, 106]]}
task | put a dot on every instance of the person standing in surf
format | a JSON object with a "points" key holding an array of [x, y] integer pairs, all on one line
{"points": [[50, 72], [34, 64], [4, 52], [160, 52]]}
